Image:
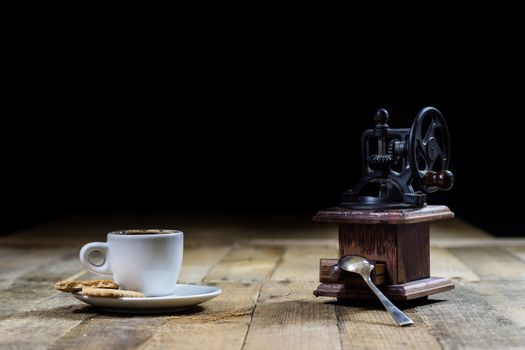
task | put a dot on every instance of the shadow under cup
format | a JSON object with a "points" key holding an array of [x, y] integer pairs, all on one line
{"points": [[148, 261]]}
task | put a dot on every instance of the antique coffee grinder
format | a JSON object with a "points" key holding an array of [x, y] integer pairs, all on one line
{"points": [[385, 217]]}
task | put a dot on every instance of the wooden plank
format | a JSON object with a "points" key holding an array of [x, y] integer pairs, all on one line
{"points": [[40, 324], [445, 264], [287, 316], [59, 269], [302, 263], [474, 242], [74, 231], [246, 264], [21, 297], [24, 296], [223, 334], [329, 240], [221, 324], [507, 297], [456, 232], [110, 332], [37, 284], [470, 317], [518, 251], [457, 228], [43, 322], [491, 263], [17, 261], [198, 261], [371, 327]]}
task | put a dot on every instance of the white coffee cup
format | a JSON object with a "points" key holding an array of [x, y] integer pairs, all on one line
{"points": [[147, 261]]}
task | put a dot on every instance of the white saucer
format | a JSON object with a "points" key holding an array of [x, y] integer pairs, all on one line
{"points": [[184, 297]]}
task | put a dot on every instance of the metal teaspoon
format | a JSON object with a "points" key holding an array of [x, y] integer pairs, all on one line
{"points": [[363, 267]]}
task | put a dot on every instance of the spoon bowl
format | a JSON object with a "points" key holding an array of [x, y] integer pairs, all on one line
{"points": [[356, 264]]}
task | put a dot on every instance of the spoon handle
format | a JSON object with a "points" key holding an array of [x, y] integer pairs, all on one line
{"points": [[398, 315]]}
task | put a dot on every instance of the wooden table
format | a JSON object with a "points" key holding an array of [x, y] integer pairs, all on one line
{"points": [[267, 269]]}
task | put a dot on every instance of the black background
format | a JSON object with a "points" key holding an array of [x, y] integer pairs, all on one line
{"points": [[245, 106]]}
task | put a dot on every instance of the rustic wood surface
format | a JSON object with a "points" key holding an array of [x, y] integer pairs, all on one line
{"points": [[267, 268]]}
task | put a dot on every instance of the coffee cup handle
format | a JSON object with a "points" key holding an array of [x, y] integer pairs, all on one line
{"points": [[102, 247]]}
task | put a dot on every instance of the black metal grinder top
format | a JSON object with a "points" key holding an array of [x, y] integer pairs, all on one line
{"points": [[400, 166]]}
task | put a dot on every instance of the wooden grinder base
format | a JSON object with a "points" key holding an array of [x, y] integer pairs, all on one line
{"points": [[395, 238]]}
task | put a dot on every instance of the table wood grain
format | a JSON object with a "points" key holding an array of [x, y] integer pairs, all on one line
{"points": [[267, 270]]}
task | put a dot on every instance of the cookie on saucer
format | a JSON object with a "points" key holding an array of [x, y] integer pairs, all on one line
{"points": [[77, 285], [110, 293]]}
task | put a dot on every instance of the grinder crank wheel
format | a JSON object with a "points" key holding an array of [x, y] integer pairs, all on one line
{"points": [[428, 151]]}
